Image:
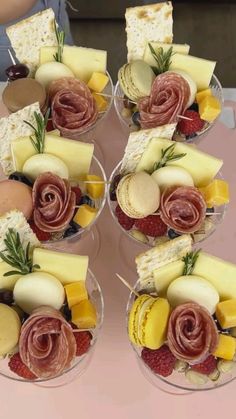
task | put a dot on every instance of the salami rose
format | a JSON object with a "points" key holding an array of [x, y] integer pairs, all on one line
{"points": [[183, 208], [192, 333], [74, 108], [47, 344], [53, 202], [169, 97]]}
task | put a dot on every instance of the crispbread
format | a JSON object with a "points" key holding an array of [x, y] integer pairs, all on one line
{"points": [[16, 220], [161, 255], [138, 142], [11, 128], [29, 35], [145, 24]]}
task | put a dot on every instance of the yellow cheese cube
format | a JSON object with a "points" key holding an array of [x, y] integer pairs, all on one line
{"points": [[226, 347], [85, 215], [100, 101], [226, 313], [202, 94], [95, 190], [98, 82], [209, 108], [66, 267], [216, 193], [84, 315], [75, 293]]}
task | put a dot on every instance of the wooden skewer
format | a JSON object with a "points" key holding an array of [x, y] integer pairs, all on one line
{"points": [[208, 213], [127, 285], [97, 182], [11, 56]]}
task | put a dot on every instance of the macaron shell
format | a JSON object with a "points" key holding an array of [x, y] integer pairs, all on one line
{"points": [[15, 195], [143, 195], [10, 326], [155, 324], [23, 92], [133, 316], [142, 77]]}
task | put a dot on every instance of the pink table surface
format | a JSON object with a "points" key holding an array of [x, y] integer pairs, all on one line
{"points": [[113, 385]]}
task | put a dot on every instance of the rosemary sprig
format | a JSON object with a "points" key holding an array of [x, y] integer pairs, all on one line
{"points": [[162, 58], [15, 255], [168, 155], [60, 35], [189, 261], [38, 139]]}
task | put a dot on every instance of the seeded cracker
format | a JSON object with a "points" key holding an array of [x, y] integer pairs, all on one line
{"points": [[29, 35], [151, 23]]}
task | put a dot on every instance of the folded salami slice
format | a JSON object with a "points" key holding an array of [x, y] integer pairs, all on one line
{"points": [[168, 99], [47, 344], [74, 108], [53, 202], [192, 333], [183, 208]]}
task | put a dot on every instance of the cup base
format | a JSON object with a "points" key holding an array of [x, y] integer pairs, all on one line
{"points": [[129, 249]]}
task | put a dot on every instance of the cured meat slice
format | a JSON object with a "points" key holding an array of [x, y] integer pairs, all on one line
{"points": [[47, 344], [192, 333], [183, 208], [169, 97], [53, 202], [74, 108]]}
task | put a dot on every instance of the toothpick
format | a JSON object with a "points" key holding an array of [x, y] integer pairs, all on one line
{"points": [[11, 56], [127, 285], [184, 117], [97, 182], [207, 213], [115, 97]]}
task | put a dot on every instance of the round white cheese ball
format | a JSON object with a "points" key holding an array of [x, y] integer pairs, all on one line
{"points": [[38, 289], [193, 288], [172, 175], [191, 83], [44, 162], [51, 71]]}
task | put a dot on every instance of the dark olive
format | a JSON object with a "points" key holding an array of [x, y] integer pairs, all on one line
{"points": [[20, 177], [6, 297], [136, 118], [17, 71]]}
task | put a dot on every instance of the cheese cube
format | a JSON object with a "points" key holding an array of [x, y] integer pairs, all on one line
{"points": [[226, 313], [226, 347], [216, 193], [201, 95], [76, 155], [101, 102], [98, 81], [209, 108], [66, 267], [95, 190], [148, 57], [199, 69], [85, 215], [75, 293], [84, 315], [82, 61]]}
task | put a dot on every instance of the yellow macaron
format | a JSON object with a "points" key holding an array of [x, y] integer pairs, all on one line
{"points": [[148, 320]]}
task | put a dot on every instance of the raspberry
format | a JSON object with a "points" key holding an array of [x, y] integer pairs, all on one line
{"points": [[43, 236], [113, 187], [207, 366], [49, 126], [78, 193], [83, 340], [151, 226], [187, 127], [161, 360], [18, 367], [123, 219]]}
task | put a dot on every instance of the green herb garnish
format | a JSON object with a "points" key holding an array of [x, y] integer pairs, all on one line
{"points": [[167, 155], [38, 139], [16, 256], [60, 43], [189, 262], [162, 58]]}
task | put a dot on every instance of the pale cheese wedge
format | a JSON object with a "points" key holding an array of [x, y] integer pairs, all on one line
{"points": [[30, 34], [138, 143], [202, 166], [82, 61], [147, 23], [7, 282], [176, 48], [66, 267], [199, 69], [13, 127], [75, 154], [156, 257], [164, 275]]}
